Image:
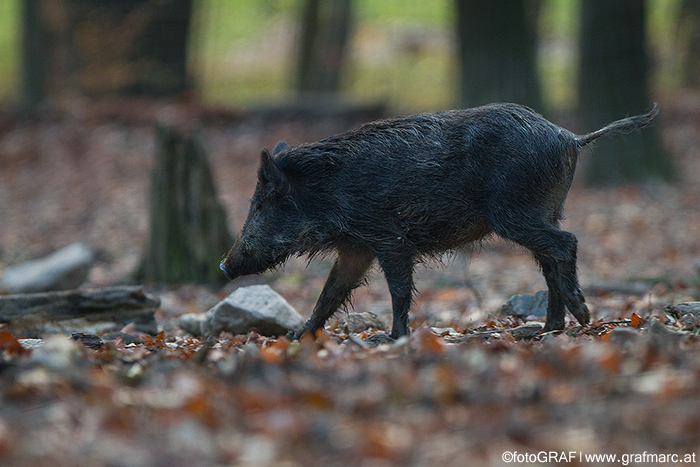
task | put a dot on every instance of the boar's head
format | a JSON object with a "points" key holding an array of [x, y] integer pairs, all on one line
{"points": [[273, 225]]}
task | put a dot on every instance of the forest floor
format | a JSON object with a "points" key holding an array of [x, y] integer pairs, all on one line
{"points": [[462, 390]]}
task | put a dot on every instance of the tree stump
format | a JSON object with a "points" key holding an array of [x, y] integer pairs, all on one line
{"points": [[188, 232]]}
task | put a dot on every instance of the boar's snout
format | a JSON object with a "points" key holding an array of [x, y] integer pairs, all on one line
{"points": [[230, 264], [222, 266], [243, 261]]}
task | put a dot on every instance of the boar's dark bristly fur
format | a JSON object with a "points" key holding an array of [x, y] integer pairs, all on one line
{"points": [[406, 189]]}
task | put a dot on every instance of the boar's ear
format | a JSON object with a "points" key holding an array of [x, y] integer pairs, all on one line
{"points": [[270, 174], [279, 147]]}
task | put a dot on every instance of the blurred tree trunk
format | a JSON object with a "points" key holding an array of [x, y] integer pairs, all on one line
{"points": [[98, 48], [689, 39], [497, 43], [613, 83], [188, 233], [35, 42], [325, 28]]}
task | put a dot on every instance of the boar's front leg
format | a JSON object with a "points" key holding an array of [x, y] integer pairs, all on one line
{"points": [[347, 273], [399, 277]]}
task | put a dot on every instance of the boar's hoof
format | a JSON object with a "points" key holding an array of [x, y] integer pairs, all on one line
{"points": [[298, 334], [582, 315], [552, 325]]}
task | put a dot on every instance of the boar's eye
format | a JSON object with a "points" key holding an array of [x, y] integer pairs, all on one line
{"points": [[255, 205]]}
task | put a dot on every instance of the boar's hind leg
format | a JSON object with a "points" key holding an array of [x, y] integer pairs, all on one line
{"points": [[555, 252], [347, 273]]}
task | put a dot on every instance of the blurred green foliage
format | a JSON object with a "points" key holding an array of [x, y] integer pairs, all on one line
{"points": [[228, 34], [9, 45], [242, 52], [434, 13]]}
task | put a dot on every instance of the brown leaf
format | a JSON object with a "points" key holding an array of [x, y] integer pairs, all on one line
{"points": [[636, 321], [10, 344], [272, 355], [317, 399], [157, 342]]}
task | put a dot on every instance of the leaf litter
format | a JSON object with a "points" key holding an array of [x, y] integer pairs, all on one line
{"points": [[432, 397], [467, 385]]}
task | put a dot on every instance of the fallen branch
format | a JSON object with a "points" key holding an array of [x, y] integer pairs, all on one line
{"points": [[34, 314]]}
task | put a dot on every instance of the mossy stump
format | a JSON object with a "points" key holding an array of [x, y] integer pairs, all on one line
{"points": [[188, 232]]}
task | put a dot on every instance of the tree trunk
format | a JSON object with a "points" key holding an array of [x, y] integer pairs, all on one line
{"points": [[35, 45], [613, 84], [497, 44], [324, 36], [100, 48], [188, 233], [690, 42]]}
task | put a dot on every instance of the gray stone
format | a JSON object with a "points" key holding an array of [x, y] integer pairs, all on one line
{"points": [[358, 322], [59, 353], [256, 307], [376, 340], [191, 323], [527, 331], [63, 269], [91, 341], [682, 309], [126, 338], [31, 344], [687, 313], [527, 305], [689, 322]]}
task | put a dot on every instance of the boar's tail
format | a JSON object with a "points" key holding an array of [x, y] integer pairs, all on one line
{"points": [[625, 125]]}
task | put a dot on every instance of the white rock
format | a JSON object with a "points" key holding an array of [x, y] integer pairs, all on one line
{"points": [[256, 307], [63, 269], [31, 344]]}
